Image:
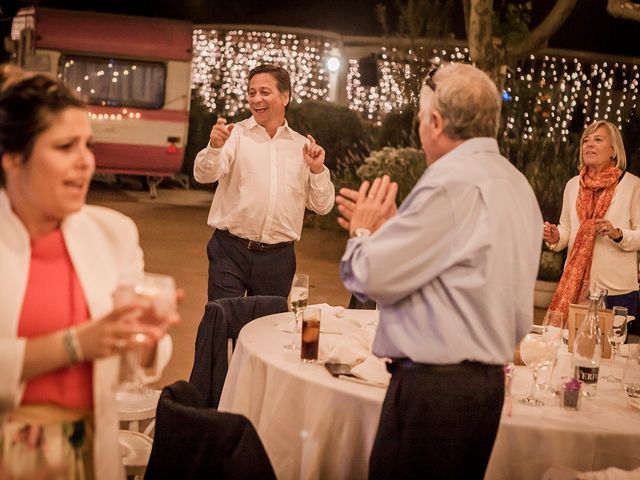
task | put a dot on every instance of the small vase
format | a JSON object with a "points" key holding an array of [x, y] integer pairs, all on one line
{"points": [[570, 399]]}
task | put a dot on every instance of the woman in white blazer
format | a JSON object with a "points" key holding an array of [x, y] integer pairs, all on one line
{"points": [[60, 261]]}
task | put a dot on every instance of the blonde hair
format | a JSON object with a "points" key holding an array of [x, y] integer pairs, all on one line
{"points": [[614, 138]]}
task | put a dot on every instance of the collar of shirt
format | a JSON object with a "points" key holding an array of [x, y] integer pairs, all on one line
{"points": [[472, 145], [282, 131]]}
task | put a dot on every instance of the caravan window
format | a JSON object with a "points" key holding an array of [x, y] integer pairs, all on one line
{"points": [[115, 82]]}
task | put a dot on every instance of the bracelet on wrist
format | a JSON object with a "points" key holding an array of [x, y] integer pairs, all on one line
{"points": [[72, 346]]}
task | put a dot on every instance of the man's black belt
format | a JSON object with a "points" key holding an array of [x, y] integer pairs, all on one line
{"points": [[254, 245], [408, 364]]}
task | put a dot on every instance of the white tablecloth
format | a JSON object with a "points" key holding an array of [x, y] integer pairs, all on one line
{"points": [[605, 431], [314, 426]]}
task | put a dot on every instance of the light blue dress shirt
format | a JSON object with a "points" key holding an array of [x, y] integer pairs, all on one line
{"points": [[454, 270]]}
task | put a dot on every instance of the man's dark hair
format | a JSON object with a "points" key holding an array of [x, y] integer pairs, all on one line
{"points": [[283, 81]]}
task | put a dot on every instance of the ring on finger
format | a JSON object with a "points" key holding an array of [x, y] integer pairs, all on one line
{"points": [[120, 343]]}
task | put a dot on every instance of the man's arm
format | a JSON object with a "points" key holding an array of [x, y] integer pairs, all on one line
{"points": [[407, 252], [212, 163], [321, 190]]}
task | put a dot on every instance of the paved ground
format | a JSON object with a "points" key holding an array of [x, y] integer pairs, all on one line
{"points": [[174, 235]]}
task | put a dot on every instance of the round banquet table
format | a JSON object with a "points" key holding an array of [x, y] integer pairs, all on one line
{"points": [[315, 426]]}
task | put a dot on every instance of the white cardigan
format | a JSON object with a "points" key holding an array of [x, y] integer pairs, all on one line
{"points": [[103, 246], [614, 265]]}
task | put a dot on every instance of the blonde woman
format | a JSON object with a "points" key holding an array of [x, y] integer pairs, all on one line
{"points": [[599, 223]]}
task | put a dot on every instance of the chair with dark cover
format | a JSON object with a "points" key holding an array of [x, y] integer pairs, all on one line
{"points": [[194, 442], [222, 320]]}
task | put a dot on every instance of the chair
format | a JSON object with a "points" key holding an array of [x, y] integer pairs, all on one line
{"points": [[135, 449], [135, 446], [222, 321], [192, 441]]}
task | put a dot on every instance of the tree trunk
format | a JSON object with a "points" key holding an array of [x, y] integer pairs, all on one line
{"points": [[489, 54], [485, 51]]}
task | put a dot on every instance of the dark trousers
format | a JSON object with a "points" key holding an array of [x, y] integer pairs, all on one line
{"points": [[234, 269], [630, 301], [438, 422]]}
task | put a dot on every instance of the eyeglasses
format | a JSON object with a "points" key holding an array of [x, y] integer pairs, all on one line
{"points": [[428, 80]]}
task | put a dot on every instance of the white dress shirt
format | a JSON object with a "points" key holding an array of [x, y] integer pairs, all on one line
{"points": [[454, 270], [264, 183], [614, 265]]}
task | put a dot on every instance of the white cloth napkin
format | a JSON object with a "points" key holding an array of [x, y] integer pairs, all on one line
{"points": [[352, 347], [373, 371], [328, 310]]}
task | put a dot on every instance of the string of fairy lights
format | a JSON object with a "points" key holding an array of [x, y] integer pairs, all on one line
{"points": [[222, 61], [395, 92], [544, 95], [566, 94]]}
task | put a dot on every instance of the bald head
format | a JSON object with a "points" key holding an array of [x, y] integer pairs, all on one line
{"points": [[467, 100]]}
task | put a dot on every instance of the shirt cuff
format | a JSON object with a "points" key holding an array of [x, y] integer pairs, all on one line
{"points": [[213, 149], [320, 179]]}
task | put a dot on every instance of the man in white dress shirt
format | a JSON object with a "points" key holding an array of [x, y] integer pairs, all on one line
{"points": [[453, 272], [267, 174]]}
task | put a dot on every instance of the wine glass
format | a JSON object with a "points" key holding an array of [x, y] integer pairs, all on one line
{"points": [[616, 335], [552, 332], [631, 375], [151, 291], [537, 353], [298, 298]]}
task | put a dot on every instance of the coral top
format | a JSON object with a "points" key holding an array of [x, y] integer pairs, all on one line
{"points": [[53, 301]]}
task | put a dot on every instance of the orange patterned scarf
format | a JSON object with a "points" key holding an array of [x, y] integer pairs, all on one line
{"points": [[594, 197]]}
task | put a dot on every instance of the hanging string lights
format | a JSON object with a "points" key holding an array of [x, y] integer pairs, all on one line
{"points": [[222, 61], [548, 95]]}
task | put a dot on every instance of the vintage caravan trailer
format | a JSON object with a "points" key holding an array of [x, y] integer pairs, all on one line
{"points": [[134, 73]]}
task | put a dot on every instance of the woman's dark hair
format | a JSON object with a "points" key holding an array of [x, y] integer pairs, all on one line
{"points": [[28, 104], [280, 74]]}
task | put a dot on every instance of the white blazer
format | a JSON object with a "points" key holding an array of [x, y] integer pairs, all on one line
{"points": [[103, 246]]}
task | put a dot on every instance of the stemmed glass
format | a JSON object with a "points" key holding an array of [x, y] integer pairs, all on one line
{"points": [[616, 335], [553, 332], [154, 291], [298, 298], [537, 353]]}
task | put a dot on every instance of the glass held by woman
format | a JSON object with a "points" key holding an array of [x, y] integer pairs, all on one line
{"points": [[60, 261]]}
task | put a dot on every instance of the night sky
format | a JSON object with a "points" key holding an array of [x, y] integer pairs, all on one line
{"points": [[589, 28]]}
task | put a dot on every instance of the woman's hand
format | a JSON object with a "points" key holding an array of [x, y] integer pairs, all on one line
{"points": [[550, 234], [112, 334], [604, 228]]}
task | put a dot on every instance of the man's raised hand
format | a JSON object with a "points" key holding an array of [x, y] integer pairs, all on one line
{"points": [[220, 133], [314, 155]]}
